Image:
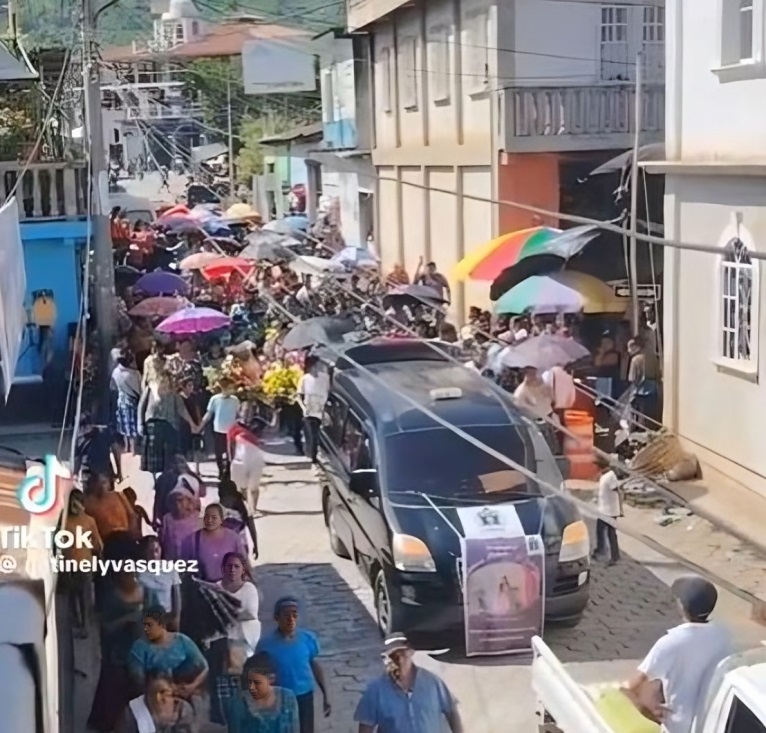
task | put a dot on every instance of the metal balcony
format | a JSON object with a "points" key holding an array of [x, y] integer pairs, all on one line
{"points": [[571, 118]]}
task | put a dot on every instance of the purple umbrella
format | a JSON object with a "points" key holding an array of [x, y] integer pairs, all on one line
{"points": [[162, 283], [193, 320]]}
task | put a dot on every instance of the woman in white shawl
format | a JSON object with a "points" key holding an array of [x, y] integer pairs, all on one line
{"points": [[158, 711], [248, 460]]}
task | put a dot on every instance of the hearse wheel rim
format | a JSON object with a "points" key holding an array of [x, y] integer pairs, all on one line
{"points": [[383, 607]]}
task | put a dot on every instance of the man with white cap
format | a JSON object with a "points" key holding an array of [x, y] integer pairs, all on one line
{"points": [[406, 699], [672, 680]]}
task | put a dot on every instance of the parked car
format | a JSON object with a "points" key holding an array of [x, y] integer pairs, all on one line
{"points": [[386, 465]]}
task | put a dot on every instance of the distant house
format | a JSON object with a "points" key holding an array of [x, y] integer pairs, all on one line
{"points": [[143, 85]]}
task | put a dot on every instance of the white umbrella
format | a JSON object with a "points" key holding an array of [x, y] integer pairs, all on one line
{"points": [[308, 265]]}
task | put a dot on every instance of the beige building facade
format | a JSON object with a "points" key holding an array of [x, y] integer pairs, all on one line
{"points": [[476, 101]]}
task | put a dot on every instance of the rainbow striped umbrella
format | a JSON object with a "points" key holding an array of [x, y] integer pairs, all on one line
{"points": [[488, 261]]}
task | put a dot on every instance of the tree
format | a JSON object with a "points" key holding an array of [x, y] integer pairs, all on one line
{"points": [[249, 161]]}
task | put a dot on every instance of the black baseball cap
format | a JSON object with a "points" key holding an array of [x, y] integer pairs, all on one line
{"points": [[696, 595]]}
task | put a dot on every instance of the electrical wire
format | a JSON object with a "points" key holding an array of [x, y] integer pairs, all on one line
{"points": [[585, 508], [44, 125]]}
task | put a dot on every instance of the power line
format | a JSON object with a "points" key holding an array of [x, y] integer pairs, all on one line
{"points": [[586, 509]]}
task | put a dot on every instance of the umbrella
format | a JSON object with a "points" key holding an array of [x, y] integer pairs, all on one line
{"points": [[198, 260], [216, 227], [162, 306], [298, 221], [355, 257], [190, 321], [542, 257], [162, 283], [243, 212], [561, 292], [268, 246], [489, 260], [413, 295], [127, 275], [653, 151], [544, 352], [286, 226], [178, 209], [308, 265], [205, 211], [318, 331], [224, 266], [264, 236]]}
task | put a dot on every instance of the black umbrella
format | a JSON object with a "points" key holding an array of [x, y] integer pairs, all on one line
{"points": [[653, 151], [126, 275], [411, 295], [318, 331], [549, 257]]}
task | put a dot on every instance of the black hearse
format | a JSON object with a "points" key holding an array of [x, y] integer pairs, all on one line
{"points": [[394, 479]]}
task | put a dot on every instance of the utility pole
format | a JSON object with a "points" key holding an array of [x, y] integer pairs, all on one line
{"points": [[633, 274], [231, 137], [101, 246]]}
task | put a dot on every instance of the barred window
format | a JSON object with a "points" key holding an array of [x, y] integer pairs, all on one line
{"points": [[737, 302]]}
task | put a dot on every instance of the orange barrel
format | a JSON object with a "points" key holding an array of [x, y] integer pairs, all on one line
{"points": [[579, 449]]}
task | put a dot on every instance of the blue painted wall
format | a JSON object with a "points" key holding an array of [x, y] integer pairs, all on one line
{"points": [[340, 134], [52, 255]]}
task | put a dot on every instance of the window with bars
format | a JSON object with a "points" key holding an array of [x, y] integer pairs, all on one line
{"points": [[737, 279], [408, 73], [653, 43], [615, 42]]}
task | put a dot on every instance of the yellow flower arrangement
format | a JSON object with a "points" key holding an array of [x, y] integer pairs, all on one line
{"points": [[281, 381]]}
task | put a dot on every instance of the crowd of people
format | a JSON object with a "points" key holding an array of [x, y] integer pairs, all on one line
{"points": [[170, 641]]}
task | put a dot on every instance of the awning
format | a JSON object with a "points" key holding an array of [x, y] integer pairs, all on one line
{"points": [[304, 133]]}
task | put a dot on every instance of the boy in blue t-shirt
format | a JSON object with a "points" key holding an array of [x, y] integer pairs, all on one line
{"points": [[294, 653]]}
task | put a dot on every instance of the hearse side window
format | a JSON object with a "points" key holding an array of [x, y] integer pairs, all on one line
{"points": [[333, 419], [353, 438], [742, 719]]}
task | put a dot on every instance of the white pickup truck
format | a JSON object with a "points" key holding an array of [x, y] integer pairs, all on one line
{"points": [[735, 701]]}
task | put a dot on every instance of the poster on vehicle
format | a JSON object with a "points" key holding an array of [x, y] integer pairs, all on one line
{"points": [[503, 572]]}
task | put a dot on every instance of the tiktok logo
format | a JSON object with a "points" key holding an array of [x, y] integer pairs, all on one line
{"points": [[38, 492]]}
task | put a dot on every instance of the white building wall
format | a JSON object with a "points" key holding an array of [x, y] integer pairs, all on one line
{"points": [[715, 192]]}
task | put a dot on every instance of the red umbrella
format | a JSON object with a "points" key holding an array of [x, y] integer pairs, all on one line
{"points": [[177, 209], [224, 266]]}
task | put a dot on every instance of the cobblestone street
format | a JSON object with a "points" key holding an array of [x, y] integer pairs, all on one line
{"points": [[630, 605]]}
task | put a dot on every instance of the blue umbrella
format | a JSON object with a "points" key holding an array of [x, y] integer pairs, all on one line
{"points": [[355, 257], [298, 221], [216, 227]]}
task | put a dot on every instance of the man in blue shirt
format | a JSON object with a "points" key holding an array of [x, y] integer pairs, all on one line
{"points": [[406, 699], [294, 654]]}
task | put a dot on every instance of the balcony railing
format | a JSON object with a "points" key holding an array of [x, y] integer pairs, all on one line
{"points": [[542, 119], [164, 111], [47, 190]]}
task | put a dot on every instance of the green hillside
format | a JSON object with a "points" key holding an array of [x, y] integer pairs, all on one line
{"points": [[48, 23]]}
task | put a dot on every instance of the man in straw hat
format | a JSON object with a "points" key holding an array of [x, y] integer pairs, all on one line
{"points": [[406, 698]]}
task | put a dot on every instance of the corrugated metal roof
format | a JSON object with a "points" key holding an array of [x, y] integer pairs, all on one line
{"points": [[304, 132]]}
